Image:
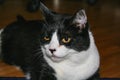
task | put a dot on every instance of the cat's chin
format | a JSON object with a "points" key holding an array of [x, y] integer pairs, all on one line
{"points": [[56, 59]]}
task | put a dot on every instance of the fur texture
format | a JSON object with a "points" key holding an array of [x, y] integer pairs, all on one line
{"points": [[59, 48]]}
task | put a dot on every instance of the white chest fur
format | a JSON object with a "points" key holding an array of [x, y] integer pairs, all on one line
{"points": [[79, 66]]}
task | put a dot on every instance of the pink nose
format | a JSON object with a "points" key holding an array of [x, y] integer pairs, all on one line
{"points": [[52, 50]]}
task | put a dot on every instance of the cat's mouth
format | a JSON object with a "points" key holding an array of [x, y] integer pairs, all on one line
{"points": [[56, 58]]}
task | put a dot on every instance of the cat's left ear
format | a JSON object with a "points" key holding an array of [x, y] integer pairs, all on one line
{"points": [[80, 19]]}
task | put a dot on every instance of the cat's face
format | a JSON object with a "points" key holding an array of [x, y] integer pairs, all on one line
{"points": [[55, 48], [64, 35]]}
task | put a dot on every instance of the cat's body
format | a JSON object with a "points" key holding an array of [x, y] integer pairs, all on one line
{"points": [[59, 48], [19, 40]]}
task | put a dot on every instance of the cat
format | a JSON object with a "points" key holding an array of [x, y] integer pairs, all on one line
{"points": [[60, 47]]}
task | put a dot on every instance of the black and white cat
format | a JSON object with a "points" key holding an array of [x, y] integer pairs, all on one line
{"points": [[60, 48]]}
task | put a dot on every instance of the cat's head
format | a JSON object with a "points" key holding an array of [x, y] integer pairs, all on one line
{"points": [[64, 35]]}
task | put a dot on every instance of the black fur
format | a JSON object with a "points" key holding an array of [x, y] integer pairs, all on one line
{"points": [[21, 47], [19, 40]]}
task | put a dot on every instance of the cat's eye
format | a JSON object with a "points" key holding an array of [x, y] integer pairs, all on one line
{"points": [[66, 40], [46, 38]]}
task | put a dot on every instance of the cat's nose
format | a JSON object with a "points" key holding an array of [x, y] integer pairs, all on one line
{"points": [[52, 50]]}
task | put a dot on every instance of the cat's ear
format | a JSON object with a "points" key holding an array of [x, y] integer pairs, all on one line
{"points": [[47, 13], [80, 19]]}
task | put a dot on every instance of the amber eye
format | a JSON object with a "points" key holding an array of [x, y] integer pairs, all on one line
{"points": [[46, 38], [66, 40]]}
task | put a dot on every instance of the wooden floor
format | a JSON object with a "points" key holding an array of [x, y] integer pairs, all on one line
{"points": [[104, 18]]}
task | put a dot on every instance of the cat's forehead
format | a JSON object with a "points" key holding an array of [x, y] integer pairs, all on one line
{"points": [[62, 24]]}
